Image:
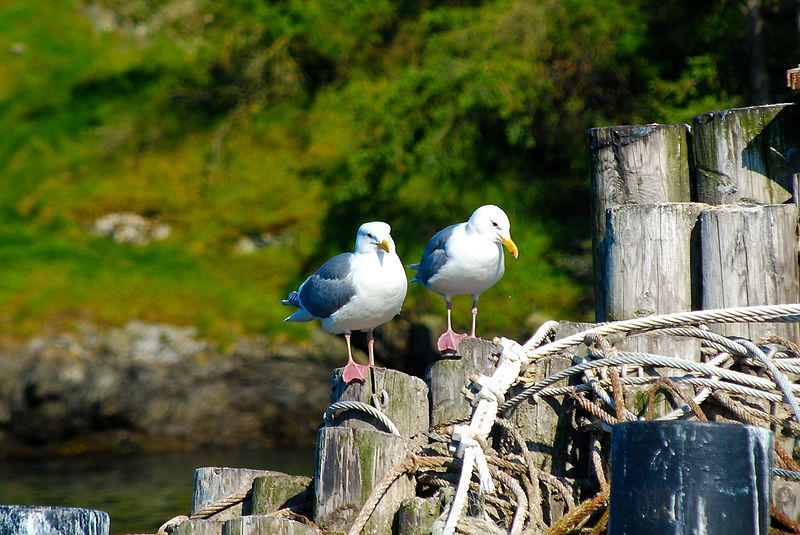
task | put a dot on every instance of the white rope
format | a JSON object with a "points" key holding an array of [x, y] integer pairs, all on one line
{"points": [[742, 346], [466, 439], [643, 359], [340, 406], [754, 314], [460, 499]]}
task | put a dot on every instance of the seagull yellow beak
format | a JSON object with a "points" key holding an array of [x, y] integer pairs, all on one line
{"points": [[511, 246], [386, 247]]}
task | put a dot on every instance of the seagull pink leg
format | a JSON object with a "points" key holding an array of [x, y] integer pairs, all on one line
{"points": [[352, 371], [371, 346], [450, 340], [474, 315]]}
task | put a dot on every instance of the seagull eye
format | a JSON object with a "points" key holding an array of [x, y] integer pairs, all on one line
{"points": [[369, 234], [495, 224]]}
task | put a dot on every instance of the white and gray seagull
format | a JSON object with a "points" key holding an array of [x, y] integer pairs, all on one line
{"points": [[355, 291], [466, 259]]}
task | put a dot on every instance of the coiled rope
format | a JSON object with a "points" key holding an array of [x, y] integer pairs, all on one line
{"points": [[341, 406]]}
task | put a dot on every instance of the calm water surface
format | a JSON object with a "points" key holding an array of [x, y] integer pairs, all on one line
{"points": [[139, 491]]}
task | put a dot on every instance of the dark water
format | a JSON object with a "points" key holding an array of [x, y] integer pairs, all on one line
{"points": [[140, 492]]}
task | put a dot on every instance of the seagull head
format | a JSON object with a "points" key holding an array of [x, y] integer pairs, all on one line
{"points": [[374, 236], [492, 222]]}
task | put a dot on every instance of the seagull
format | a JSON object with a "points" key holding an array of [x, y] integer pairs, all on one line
{"points": [[355, 291], [466, 259]]}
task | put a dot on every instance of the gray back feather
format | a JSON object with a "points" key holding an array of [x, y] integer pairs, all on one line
{"points": [[327, 290], [434, 256]]}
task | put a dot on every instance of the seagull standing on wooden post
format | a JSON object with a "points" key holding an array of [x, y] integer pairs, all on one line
{"points": [[466, 259], [355, 291]]}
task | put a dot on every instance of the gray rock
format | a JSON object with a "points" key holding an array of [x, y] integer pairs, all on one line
{"points": [[157, 387]]}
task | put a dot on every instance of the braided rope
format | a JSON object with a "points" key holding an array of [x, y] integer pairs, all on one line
{"points": [[522, 501], [786, 474], [341, 406], [753, 314], [409, 464], [579, 514], [534, 472], [647, 380], [642, 359], [213, 508]]}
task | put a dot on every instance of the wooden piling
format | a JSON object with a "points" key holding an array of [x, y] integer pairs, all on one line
{"points": [[402, 398], [47, 520], [276, 491], [750, 258], [349, 464], [634, 164], [213, 484], [647, 265], [747, 154], [448, 377]]}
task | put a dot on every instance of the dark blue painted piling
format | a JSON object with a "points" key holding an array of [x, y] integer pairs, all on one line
{"points": [[46, 520], [681, 478]]}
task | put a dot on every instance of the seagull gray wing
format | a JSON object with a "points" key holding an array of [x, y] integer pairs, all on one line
{"points": [[329, 288], [434, 256]]}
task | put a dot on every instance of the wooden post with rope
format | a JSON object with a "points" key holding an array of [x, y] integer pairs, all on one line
{"points": [[670, 235], [354, 451]]}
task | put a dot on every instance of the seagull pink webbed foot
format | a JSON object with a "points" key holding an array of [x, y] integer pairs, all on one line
{"points": [[352, 370], [449, 341]]}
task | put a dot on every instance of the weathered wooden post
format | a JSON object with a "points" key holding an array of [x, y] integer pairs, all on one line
{"points": [[690, 477], [637, 164], [643, 228], [748, 154], [448, 377], [750, 258], [648, 261], [47, 520], [354, 456]]}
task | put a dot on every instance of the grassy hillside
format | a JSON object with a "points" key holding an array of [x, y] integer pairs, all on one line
{"points": [[300, 120]]}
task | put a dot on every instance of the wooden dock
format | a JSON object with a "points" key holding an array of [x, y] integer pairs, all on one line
{"points": [[695, 243]]}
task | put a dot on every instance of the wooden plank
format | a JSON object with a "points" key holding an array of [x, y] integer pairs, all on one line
{"points": [[403, 399], [635, 164], [747, 154], [749, 257], [448, 377], [349, 463]]}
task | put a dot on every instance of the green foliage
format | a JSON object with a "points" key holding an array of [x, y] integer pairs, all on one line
{"points": [[300, 120]]}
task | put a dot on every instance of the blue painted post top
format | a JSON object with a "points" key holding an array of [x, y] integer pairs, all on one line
{"points": [[688, 477]]}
